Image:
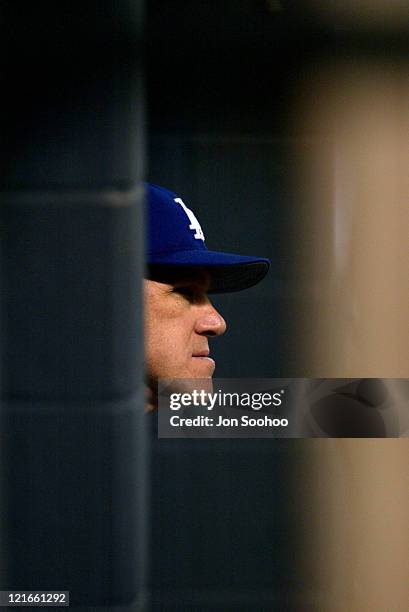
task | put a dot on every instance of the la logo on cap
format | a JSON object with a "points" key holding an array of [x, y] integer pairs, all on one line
{"points": [[194, 223]]}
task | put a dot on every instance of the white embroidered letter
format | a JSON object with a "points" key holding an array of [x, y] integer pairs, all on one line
{"points": [[194, 223]]}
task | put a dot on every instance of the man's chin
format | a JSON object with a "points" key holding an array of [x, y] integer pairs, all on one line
{"points": [[202, 367]]}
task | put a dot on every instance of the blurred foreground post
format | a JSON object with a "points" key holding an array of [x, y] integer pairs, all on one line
{"points": [[354, 260], [354, 195], [72, 444]]}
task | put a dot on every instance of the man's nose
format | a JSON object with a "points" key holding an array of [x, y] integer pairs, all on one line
{"points": [[210, 322]]}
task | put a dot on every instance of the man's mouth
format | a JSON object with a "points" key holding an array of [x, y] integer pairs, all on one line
{"points": [[205, 353]]}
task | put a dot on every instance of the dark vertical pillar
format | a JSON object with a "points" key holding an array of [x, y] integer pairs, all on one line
{"points": [[71, 421]]}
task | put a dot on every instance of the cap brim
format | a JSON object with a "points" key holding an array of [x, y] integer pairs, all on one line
{"points": [[228, 272]]}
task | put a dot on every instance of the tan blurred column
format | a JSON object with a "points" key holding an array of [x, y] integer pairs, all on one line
{"points": [[355, 231], [354, 260], [357, 551]]}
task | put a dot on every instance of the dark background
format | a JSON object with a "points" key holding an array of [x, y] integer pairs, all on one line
{"points": [[220, 81]]}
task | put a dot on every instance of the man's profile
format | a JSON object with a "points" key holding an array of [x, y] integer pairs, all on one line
{"points": [[181, 272]]}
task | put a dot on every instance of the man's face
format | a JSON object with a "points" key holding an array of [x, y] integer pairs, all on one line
{"points": [[179, 319]]}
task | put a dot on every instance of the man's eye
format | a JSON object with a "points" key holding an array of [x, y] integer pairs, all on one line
{"points": [[191, 293], [188, 291]]}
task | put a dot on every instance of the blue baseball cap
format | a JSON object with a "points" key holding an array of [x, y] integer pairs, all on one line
{"points": [[176, 240]]}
